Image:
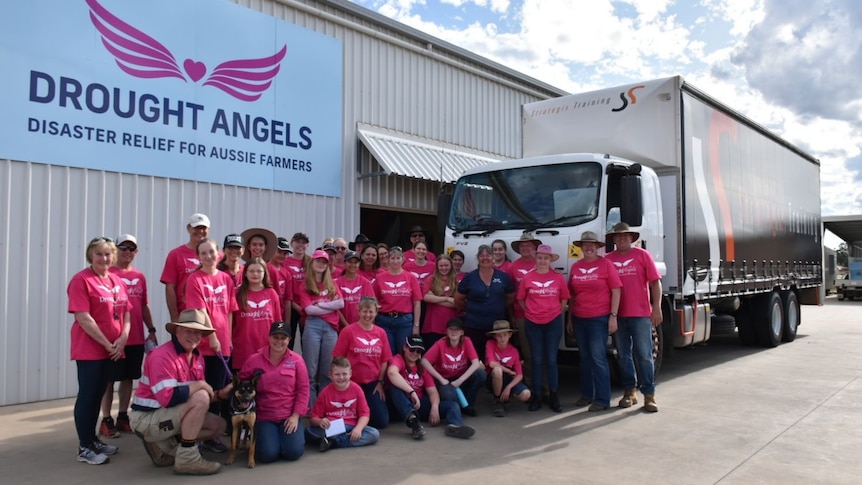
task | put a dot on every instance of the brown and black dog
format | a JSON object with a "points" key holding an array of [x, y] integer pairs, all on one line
{"points": [[243, 416]]}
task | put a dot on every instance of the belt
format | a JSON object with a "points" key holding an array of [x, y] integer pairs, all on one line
{"points": [[394, 314]]}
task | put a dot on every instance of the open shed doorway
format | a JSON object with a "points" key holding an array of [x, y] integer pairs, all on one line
{"points": [[392, 227]]}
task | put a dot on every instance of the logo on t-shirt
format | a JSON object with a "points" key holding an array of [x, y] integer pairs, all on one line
{"points": [[369, 347], [420, 275], [624, 269], [350, 291], [395, 285]]}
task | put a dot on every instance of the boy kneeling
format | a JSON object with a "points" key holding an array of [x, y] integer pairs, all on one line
{"points": [[505, 375]]}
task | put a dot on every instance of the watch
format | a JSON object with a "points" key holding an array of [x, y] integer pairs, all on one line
{"points": [[614, 315], [152, 329]]}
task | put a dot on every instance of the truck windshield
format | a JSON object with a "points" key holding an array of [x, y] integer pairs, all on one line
{"points": [[526, 198]]}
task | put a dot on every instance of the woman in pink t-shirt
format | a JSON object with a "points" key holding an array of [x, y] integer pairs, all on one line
{"points": [[369, 264], [421, 266], [259, 306], [400, 297], [439, 300], [543, 295], [231, 262], [501, 255], [353, 287], [595, 287], [457, 263], [99, 301], [320, 299]]}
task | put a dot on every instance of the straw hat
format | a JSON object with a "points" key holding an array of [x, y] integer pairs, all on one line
{"points": [[501, 326], [527, 236], [623, 228], [589, 236], [266, 234], [194, 319]]}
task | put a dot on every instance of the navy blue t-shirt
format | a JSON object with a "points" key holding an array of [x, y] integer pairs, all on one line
{"points": [[485, 304]]}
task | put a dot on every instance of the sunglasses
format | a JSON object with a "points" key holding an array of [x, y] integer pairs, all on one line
{"points": [[101, 239], [417, 234], [341, 248], [126, 247]]}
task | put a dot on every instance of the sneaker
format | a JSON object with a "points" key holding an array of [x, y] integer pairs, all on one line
{"points": [[108, 429], [91, 456], [325, 444], [583, 402], [104, 449], [464, 432], [123, 424], [469, 411], [596, 407], [499, 410], [418, 430], [156, 454], [214, 445]]}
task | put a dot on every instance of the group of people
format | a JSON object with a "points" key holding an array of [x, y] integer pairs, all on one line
{"points": [[366, 313]]}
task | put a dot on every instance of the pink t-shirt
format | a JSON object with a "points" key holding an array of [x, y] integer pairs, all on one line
{"points": [[295, 269], [436, 315], [216, 294], [180, 263], [504, 267], [508, 357], [517, 270], [237, 278], [367, 351], [415, 375], [279, 278], [369, 275], [460, 276], [136, 289], [451, 362], [251, 324], [106, 301], [283, 387], [636, 269], [542, 294], [353, 291], [306, 299], [591, 285], [349, 404], [397, 293], [422, 273]]}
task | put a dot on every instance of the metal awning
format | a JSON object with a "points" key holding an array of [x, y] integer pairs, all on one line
{"points": [[848, 228], [420, 158]]}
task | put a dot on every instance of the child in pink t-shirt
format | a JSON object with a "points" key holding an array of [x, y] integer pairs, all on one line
{"points": [[505, 374]]}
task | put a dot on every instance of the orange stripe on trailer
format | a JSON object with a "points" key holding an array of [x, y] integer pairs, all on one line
{"points": [[719, 125]]}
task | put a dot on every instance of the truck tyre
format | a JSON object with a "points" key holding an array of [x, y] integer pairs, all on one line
{"points": [[769, 320], [792, 315], [657, 348], [744, 324]]}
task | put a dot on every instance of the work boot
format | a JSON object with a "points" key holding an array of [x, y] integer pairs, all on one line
{"points": [[499, 410], [650, 405], [535, 403], [417, 430], [555, 403], [190, 462], [629, 399], [155, 452]]}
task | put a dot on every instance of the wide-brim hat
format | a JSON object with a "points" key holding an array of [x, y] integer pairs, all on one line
{"points": [[360, 239], [501, 326], [194, 319], [418, 229], [546, 249], [525, 237], [623, 228], [589, 236], [271, 242]]}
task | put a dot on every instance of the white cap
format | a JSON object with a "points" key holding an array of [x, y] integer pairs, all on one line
{"points": [[199, 219], [127, 238]]}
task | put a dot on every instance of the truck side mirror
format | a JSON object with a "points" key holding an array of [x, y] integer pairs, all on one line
{"points": [[631, 205]]}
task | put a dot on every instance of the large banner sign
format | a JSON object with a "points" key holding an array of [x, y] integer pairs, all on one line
{"points": [[193, 89]]}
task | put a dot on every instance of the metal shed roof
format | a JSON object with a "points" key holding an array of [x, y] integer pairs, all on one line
{"points": [[420, 158], [848, 228]]}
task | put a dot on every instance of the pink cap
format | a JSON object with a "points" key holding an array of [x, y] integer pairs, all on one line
{"points": [[319, 253]]}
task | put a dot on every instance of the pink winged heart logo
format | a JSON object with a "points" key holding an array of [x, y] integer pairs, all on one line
{"points": [[142, 56]]}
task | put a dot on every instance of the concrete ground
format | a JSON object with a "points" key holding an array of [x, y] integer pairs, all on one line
{"points": [[728, 414]]}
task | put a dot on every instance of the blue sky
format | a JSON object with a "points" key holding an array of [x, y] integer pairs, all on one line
{"points": [[791, 65]]}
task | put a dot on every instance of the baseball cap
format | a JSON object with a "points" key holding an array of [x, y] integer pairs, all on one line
{"points": [[351, 255], [320, 254], [415, 342], [299, 236], [233, 241], [280, 327], [127, 238], [198, 219], [455, 323], [283, 244], [329, 247]]}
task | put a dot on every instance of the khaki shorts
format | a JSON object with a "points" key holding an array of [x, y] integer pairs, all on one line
{"points": [[158, 425]]}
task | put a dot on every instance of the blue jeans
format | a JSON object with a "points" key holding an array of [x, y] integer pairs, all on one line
{"points": [[449, 410], [636, 333], [369, 437], [273, 443], [470, 388], [544, 341], [397, 329], [92, 382], [379, 410], [318, 340], [592, 336]]}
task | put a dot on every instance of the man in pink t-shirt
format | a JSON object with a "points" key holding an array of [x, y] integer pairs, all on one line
{"points": [[183, 261], [639, 312]]}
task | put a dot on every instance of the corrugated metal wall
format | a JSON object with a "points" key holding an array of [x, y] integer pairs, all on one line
{"points": [[49, 213]]}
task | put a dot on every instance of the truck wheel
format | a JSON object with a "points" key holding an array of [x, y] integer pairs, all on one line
{"points": [[744, 325], [792, 315], [657, 348], [769, 320]]}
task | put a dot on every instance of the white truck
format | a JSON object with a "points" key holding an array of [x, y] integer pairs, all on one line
{"points": [[729, 211], [851, 286]]}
